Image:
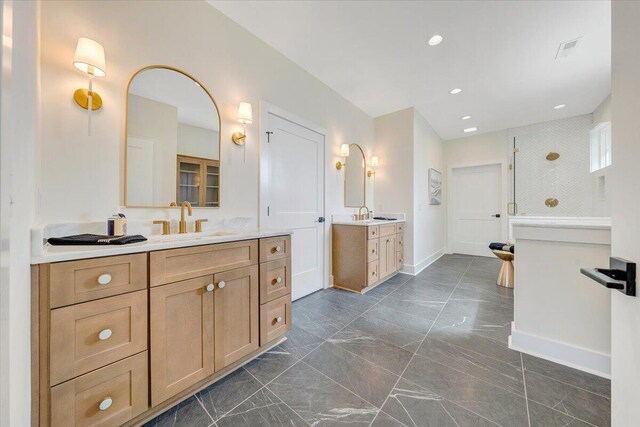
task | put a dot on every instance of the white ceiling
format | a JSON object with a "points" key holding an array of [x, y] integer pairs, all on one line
{"points": [[170, 87], [501, 53]]}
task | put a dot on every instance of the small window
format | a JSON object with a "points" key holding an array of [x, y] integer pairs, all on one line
{"points": [[601, 146]]}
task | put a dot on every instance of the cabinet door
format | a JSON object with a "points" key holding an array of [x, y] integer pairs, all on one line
{"points": [[387, 256], [236, 314], [182, 341], [189, 177]]}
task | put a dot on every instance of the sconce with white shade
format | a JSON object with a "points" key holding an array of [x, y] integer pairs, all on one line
{"points": [[245, 116], [344, 152], [374, 163], [89, 58]]}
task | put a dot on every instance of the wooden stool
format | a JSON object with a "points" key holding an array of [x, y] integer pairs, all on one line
{"points": [[505, 278]]}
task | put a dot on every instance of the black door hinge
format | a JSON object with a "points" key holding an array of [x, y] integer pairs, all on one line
{"points": [[269, 136]]}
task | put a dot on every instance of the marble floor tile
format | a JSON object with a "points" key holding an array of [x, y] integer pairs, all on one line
{"points": [[503, 295], [269, 365], [542, 416], [424, 291], [188, 413], [340, 313], [389, 332], [480, 397], [222, 396], [592, 408], [580, 379], [504, 375], [319, 400], [369, 381], [413, 305], [477, 343], [316, 323], [417, 407], [385, 420], [397, 316], [300, 342], [375, 350], [263, 409]]}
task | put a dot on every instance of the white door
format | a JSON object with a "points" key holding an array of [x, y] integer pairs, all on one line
{"points": [[140, 183], [475, 197], [293, 191]]}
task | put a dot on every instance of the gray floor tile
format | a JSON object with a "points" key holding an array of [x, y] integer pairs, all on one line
{"points": [[263, 409], [316, 323], [389, 332], [415, 406], [269, 365], [583, 380], [504, 375], [349, 302], [399, 317], [414, 306], [300, 342], [504, 295], [339, 313], [188, 413], [222, 396], [542, 416], [369, 347], [369, 381], [592, 408], [477, 343], [490, 402], [385, 420], [319, 400], [424, 291]]}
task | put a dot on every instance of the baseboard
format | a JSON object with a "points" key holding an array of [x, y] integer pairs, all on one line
{"points": [[417, 268], [565, 354]]}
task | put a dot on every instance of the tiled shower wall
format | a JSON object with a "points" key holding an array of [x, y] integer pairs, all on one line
{"points": [[567, 179]]}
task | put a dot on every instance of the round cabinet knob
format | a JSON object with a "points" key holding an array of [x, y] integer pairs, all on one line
{"points": [[279, 319], [106, 403], [105, 334], [210, 287], [278, 279], [104, 279], [221, 284], [278, 248]]}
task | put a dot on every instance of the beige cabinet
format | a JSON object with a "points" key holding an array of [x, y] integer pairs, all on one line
{"points": [[365, 256], [236, 315], [182, 336]]}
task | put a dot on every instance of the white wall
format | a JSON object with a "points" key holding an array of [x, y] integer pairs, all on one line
{"points": [[198, 142], [603, 112], [19, 165], [229, 61], [625, 205], [429, 234], [408, 146], [601, 205]]}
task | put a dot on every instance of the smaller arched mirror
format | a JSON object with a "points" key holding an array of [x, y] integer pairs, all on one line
{"points": [[355, 178], [172, 141]]}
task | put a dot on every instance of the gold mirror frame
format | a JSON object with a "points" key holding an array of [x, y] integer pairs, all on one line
{"points": [[364, 176], [126, 133]]}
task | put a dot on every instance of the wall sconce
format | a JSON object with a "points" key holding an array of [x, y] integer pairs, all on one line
{"points": [[344, 152], [245, 116], [89, 59], [374, 164]]}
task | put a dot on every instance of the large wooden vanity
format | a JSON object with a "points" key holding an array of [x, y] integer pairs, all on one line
{"points": [[365, 255], [118, 339]]}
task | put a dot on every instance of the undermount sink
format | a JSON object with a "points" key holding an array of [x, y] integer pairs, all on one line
{"points": [[191, 236]]}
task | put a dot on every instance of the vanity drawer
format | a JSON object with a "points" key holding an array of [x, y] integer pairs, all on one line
{"points": [[387, 230], [400, 227], [110, 396], [93, 334], [373, 272], [90, 279], [173, 265], [373, 232], [399, 242], [275, 319], [372, 250], [275, 279], [399, 259], [275, 248]]}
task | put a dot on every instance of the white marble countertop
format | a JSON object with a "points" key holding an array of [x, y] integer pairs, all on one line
{"points": [[368, 222], [561, 222], [154, 243]]}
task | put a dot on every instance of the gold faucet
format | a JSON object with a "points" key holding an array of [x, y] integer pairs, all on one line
{"points": [[360, 216], [183, 223]]}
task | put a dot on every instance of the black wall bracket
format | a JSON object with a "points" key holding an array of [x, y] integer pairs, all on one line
{"points": [[621, 275]]}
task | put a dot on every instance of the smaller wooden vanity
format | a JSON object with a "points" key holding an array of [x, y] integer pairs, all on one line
{"points": [[118, 339], [366, 254]]}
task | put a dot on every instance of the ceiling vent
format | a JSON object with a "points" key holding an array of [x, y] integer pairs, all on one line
{"points": [[568, 48]]}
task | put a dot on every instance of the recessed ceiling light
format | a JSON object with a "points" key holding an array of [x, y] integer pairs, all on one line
{"points": [[465, 117], [435, 40], [455, 91], [473, 129], [559, 106]]}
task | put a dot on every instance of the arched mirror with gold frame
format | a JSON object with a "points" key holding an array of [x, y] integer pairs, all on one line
{"points": [[172, 141], [355, 181]]}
